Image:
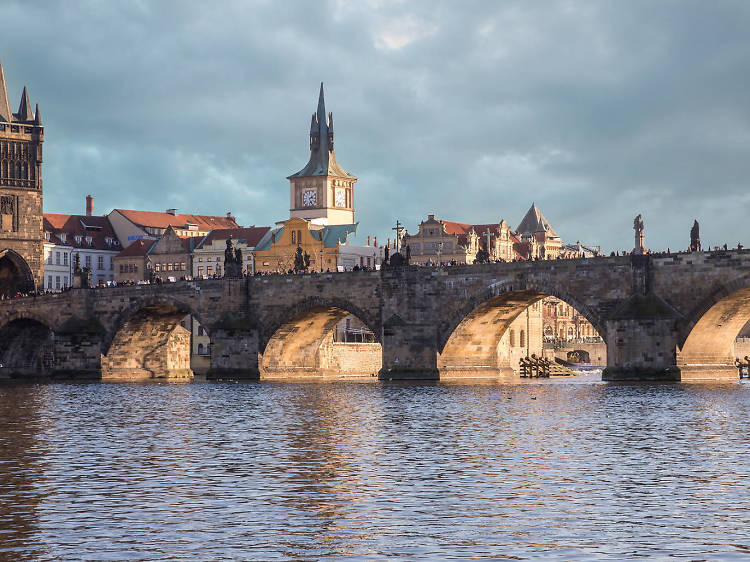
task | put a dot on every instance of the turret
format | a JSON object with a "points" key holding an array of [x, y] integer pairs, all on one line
{"points": [[37, 117], [314, 134], [330, 132], [24, 109], [5, 112]]}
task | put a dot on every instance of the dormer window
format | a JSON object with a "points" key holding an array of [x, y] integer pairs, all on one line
{"points": [[78, 238], [89, 240], [63, 237], [47, 236]]}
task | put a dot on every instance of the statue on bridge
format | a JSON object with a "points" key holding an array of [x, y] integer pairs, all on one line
{"points": [[695, 237], [640, 246], [232, 261]]}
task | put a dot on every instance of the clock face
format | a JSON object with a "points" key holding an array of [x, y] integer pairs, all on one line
{"points": [[340, 198], [309, 197]]}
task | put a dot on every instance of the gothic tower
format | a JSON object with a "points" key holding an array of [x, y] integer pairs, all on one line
{"points": [[21, 245], [322, 192]]}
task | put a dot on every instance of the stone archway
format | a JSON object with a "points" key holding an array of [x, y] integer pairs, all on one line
{"points": [[150, 343], [15, 275], [303, 345], [27, 347], [489, 334], [706, 348]]}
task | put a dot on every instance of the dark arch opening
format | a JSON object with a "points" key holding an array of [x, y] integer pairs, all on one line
{"points": [[491, 338], [27, 347], [314, 343], [15, 275], [157, 341], [709, 346]]}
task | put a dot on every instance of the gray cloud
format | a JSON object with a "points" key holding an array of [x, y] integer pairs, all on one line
{"points": [[597, 111]]}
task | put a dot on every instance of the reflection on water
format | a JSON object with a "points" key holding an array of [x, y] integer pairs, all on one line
{"points": [[562, 468]]}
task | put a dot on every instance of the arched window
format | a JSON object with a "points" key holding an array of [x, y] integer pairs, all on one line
{"points": [[24, 171], [522, 339], [294, 236], [512, 338], [18, 170], [200, 349], [570, 332]]}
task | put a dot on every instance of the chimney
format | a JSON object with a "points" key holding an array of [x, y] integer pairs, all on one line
{"points": [[89, 205], [172, 212], [375, 242], [368, 240]]}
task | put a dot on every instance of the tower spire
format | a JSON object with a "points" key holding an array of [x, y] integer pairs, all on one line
{"points": [[5, 112], [24, 109], [37, 117]]}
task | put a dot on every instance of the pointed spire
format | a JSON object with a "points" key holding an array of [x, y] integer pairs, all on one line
{"points": [[37, 117], [24, 109], [5, 112], [322, 161]]}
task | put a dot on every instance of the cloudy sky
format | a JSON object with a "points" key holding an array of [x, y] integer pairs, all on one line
{"points": [[469, 110]]}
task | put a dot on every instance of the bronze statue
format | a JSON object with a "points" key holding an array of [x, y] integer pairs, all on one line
{"points": [[238, 256], [229, 253], [695, 237]]}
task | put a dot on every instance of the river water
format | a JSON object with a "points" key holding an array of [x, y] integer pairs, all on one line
{"points": [[571, 468]]}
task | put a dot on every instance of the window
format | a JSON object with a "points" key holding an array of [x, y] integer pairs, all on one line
{"points": [[65, 258], [169, 267], [200, 349], [157, 267], [513, 338], [522, 339], [200, 271], [209, 270], [111, 263], [100, 262], [49, 281], [88, 262], [57, 282], [65, 281], [294, 236], [182, 266]]}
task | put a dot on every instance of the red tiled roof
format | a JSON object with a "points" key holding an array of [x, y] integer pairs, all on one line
{"points": [[251, 236], [137, 248], [99, 229], [163, 220]]}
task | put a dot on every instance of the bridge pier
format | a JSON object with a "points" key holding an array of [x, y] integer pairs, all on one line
{"points": [[641, 349], [77, 355], [409, 352], [234, 355]]}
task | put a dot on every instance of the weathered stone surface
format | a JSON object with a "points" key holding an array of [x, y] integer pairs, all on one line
{"points": [[661, 316]]}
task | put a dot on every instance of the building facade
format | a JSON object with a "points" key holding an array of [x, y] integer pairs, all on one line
{"points": [[208, 254], [88, 238], [132, 225], [21, 235], [440, 241]]}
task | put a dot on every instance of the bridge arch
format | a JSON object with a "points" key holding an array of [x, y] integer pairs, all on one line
{"points": [[706, 340], [15, 274], [300, 341], [479, 336], [148, 340], [27, 345]]}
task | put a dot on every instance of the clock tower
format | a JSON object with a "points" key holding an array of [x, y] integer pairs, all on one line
{"points": [[322, 192]]}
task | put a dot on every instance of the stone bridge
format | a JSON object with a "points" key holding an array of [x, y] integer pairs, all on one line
{"points": [[668, 317]]}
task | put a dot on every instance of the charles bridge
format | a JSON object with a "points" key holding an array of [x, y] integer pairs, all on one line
{"points": [[663, 317]]}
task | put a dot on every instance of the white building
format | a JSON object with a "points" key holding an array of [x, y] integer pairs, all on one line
{"points": [[89, 237]]}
